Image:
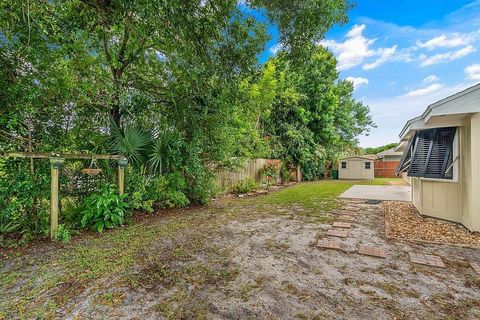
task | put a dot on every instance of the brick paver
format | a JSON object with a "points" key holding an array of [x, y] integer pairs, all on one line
{"points": [[372, 251], [341, 233], [346, 217], [475, 266], [330, 244], [341, 225], [426, 259]]}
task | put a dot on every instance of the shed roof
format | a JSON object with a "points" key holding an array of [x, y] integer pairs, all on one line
{"points": [[389, 152], [365, 157]]}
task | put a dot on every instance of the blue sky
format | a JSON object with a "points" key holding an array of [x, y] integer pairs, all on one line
{"points": [[404, 55]]}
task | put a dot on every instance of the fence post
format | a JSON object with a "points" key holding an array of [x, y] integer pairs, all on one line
{"points": [[55, 165], [122, 163]]}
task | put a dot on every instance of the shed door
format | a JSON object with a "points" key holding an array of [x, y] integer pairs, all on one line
{"points": [[356, 169]]}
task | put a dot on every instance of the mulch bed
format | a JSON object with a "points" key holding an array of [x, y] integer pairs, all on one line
{"points": [[402, 221]]}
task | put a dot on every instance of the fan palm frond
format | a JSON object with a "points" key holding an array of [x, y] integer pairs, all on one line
{"points": [[164, 139], [132, 143]]}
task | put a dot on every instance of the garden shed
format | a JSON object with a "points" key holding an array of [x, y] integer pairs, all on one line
{"points": [[356, 167]]}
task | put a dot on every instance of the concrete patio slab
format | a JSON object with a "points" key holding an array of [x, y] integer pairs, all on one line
{"points": [[393, 193]]}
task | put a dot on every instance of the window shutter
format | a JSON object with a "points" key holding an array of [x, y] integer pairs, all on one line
{"points": [[406, 156], [422, 150], [432, 153], [442, 154]]}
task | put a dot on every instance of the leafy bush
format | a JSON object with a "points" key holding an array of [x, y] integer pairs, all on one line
{"points": [[105, 210], [72, 208], [244, 186], [24, 202], [63, 234], [203, 189], [269, 174], [285, 172], [137, 202], [7, 226], [168, 191]]}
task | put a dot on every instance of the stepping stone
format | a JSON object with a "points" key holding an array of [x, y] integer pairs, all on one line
{"points": [[341, 233], [372, 251], [475, 266], [330, 244], [341, 225], [349, 208], [346, 218], [426, 259]]}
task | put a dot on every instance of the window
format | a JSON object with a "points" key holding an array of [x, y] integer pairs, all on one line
{"points": [[344, 165], [430, 154], [367, 165]]}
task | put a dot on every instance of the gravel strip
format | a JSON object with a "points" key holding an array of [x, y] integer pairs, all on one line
{"points": [[402, 221]]}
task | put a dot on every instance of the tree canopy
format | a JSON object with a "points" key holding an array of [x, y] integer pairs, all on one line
{"points": [[375, 150]]}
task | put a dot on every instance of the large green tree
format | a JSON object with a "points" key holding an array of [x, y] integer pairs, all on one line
{"points": [[312, 114]]}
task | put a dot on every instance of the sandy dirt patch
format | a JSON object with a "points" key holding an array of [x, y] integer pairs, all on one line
{"points": [[241, 259]]}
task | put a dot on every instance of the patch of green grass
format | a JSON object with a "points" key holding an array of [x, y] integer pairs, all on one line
{"points": [[318, 194]]}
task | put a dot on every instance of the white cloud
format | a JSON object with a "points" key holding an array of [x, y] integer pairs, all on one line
{"points": [[357, 81], [391, 113], [473, 72], [354, 50], [385, 55], [275, 48], [424, 91], [446, 41], [446, 57], [431, 78]]}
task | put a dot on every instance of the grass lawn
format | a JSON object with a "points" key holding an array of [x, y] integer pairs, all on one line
{"points": [[318, 194]]}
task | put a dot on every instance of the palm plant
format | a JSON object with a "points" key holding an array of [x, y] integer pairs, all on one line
{"points": [[159, 157], [146, 149], [132, 142]]}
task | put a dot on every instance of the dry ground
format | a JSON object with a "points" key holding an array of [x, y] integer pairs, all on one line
{"points": [[249, 258]]}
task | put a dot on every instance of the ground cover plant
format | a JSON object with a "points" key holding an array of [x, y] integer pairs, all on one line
{"points": [[104, 210]]}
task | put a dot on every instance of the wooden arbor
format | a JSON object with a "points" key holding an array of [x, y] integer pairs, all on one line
{"points": [[56, 161]]}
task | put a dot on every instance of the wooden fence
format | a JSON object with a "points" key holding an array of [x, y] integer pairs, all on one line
{"points": [[386, 169], [251, 169]]}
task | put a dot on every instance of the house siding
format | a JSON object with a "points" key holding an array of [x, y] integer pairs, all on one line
{"points": [[472, 213], [456, 200]]}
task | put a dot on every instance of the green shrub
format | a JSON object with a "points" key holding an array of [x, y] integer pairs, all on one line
{"points": [[7, 226], [285, 173], [269, 174], [24, 204], [137, 202], [203, 189], [63, 234], [72, 208], [168, 191], [105, 210], [244, 186]]}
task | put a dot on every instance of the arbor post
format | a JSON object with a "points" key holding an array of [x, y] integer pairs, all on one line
{"points": [[55, 165], [122, 163]]}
